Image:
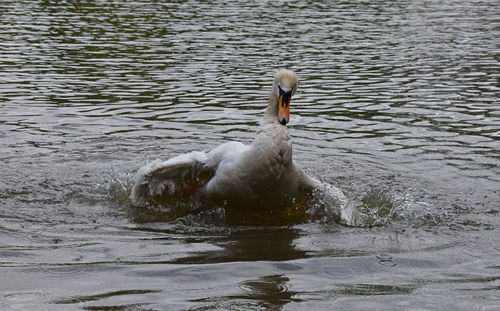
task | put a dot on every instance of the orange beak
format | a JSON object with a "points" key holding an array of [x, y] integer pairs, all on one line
{"points": [[284, 107]]}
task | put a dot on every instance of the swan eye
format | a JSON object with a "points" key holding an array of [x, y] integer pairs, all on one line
{"points": [[280, 90]]}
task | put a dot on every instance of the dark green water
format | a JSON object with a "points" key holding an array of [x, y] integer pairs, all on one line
{"points": [[398, 105]]}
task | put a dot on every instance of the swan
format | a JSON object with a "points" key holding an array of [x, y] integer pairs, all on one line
{"points": [[257, 177]]}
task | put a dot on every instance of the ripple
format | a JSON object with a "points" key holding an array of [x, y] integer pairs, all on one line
{"points": [[336, 272], [65, 269], [103, 296], [273, 286], [397, 106], [386, 260]]}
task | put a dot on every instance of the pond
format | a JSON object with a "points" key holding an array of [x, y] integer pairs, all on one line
{"points": [[397, 105]]}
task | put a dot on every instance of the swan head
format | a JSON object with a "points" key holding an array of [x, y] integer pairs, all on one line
{"points": [[284, 86]]}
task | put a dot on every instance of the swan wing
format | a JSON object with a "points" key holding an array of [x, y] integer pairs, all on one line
{"points": [[184, 174], [332, 199], [306, 183]]}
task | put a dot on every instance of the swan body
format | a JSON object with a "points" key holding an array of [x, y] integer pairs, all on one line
{"points": [[257, 176]]}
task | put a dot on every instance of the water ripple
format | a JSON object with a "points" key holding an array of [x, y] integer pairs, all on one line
{"points": [[397, 105]]}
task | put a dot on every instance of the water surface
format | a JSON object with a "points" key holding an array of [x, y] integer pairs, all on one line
{"points": [[398, 105]]}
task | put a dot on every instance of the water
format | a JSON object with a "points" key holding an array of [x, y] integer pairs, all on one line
{"points": [[398, 105]]}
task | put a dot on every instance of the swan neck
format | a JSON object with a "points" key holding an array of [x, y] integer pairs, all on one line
{"points": [[272, 108]]}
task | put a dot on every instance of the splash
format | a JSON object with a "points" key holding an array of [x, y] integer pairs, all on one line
{"points": [[328, 204]]}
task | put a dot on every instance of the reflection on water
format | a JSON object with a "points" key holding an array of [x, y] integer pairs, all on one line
{"points": [[267, 244], [397, 106]]}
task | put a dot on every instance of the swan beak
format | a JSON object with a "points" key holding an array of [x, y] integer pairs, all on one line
{"points": [[284, 107]]}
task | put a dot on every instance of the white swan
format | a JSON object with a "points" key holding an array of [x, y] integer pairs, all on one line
{"points": [[261, 176]]}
